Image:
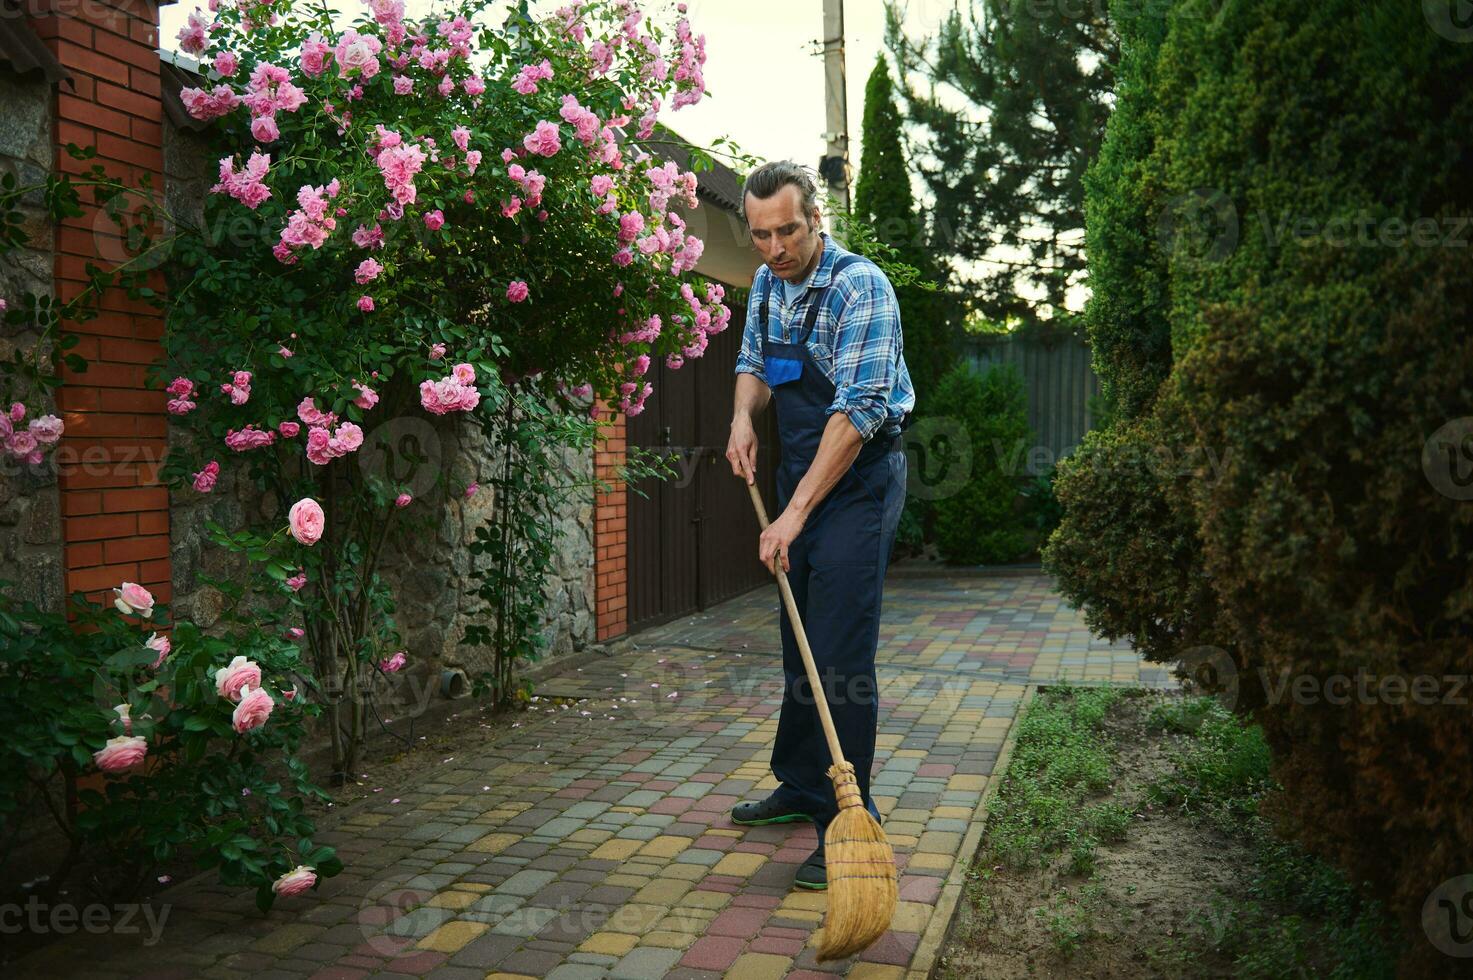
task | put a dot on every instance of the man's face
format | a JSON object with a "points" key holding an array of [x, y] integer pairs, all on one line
{"points": [[785, 238]]}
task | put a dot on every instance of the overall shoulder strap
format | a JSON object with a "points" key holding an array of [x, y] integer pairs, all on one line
{"points": [[842, 263]]}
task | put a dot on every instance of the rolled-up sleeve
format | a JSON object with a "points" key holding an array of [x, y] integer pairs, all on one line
{"points": [[749, 358], [866, 351]]}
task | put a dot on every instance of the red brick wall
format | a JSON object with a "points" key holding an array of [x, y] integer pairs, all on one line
{"points": [[610, 517], [115, 514]]}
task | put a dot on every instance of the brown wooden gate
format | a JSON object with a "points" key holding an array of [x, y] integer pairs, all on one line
{"points": [[693, 538]]}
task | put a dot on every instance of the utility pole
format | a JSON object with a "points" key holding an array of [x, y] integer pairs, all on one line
{"points": [[834, 167]]}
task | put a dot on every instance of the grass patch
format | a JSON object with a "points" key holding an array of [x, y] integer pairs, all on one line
{"points": [[1300, 917], [1058, 763]]}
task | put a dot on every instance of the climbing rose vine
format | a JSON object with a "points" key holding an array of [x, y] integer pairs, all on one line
{"points": [[415, 221]]}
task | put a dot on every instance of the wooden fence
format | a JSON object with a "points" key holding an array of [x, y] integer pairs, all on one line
{"points": [[1059, 381]]}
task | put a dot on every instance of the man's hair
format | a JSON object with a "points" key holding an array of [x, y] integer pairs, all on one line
{"points": [[772, 177]]}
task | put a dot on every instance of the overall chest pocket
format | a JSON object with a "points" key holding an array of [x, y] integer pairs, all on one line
{"points": [[781, 370]]}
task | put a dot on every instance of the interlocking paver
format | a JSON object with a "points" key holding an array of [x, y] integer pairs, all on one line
{"points": [[604, 845]]}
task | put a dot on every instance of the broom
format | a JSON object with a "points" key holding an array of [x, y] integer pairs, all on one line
{"points": [[861, 863]]}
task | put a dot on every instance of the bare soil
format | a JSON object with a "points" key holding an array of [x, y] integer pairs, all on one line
{"points": [[1147, 912]]}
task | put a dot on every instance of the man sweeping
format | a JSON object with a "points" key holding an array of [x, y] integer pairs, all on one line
{"points": [[822, 340]]}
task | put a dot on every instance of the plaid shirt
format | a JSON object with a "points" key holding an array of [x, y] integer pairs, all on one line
{"points": [[856, 340]]}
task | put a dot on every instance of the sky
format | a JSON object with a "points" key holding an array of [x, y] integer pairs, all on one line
{"points": [[764, 67]]}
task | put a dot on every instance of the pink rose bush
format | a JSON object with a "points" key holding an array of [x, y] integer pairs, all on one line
{"points": [[25, 441], [412, 201]]}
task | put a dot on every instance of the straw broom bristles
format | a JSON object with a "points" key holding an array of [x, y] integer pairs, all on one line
{"points": [[861, 863], [861, 870]]}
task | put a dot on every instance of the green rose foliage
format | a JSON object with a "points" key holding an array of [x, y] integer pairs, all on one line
{"points": [[234, 800]]}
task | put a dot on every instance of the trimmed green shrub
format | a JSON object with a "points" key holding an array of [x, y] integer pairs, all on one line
{"points": [[979, 524], [1304, 168]]}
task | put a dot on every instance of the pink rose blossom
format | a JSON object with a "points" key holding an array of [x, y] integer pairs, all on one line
{"points": [[517, 291], [254, 708], [434, 219], [249, 438], [133, 599], [527, 79], [319, 441], [122, 752], [159, 644], [464, 374], [365, 303], [307, 521], [288, 429], [47, 429], [295, 882], [544, 140], [437, 351], [367, 271], [403, 500], [390, 665], [204, 480], [470, 491], [367, 397], [370, 238], [297, 581], [192, 37], [240, 673], [225, 64], [315, 55]]}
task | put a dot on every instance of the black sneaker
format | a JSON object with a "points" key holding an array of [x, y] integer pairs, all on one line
{"points": [[766, 812], [814, 872]]}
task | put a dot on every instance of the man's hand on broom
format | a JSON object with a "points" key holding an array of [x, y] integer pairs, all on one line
{"points": [[778, 537]]}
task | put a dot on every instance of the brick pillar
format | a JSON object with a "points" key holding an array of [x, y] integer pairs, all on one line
{"points": [[115, 513], [610, 514]]}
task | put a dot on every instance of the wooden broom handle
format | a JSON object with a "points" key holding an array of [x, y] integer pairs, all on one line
{"points": [[819, 699]]}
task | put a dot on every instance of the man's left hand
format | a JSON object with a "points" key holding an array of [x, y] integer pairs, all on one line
{"points": [[778, 537]]}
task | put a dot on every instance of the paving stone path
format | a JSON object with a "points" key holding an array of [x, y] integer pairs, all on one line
{"points": [[594, 839]]}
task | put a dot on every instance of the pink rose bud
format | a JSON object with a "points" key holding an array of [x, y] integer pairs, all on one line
{"points": [[402, 500], [437, 351], [470, 491]]}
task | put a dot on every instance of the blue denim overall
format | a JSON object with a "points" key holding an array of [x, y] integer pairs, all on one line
{"points": [[837, 571]]}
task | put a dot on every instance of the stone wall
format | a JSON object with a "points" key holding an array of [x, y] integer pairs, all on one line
{"points": [[30, 526], [432, 575]]}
